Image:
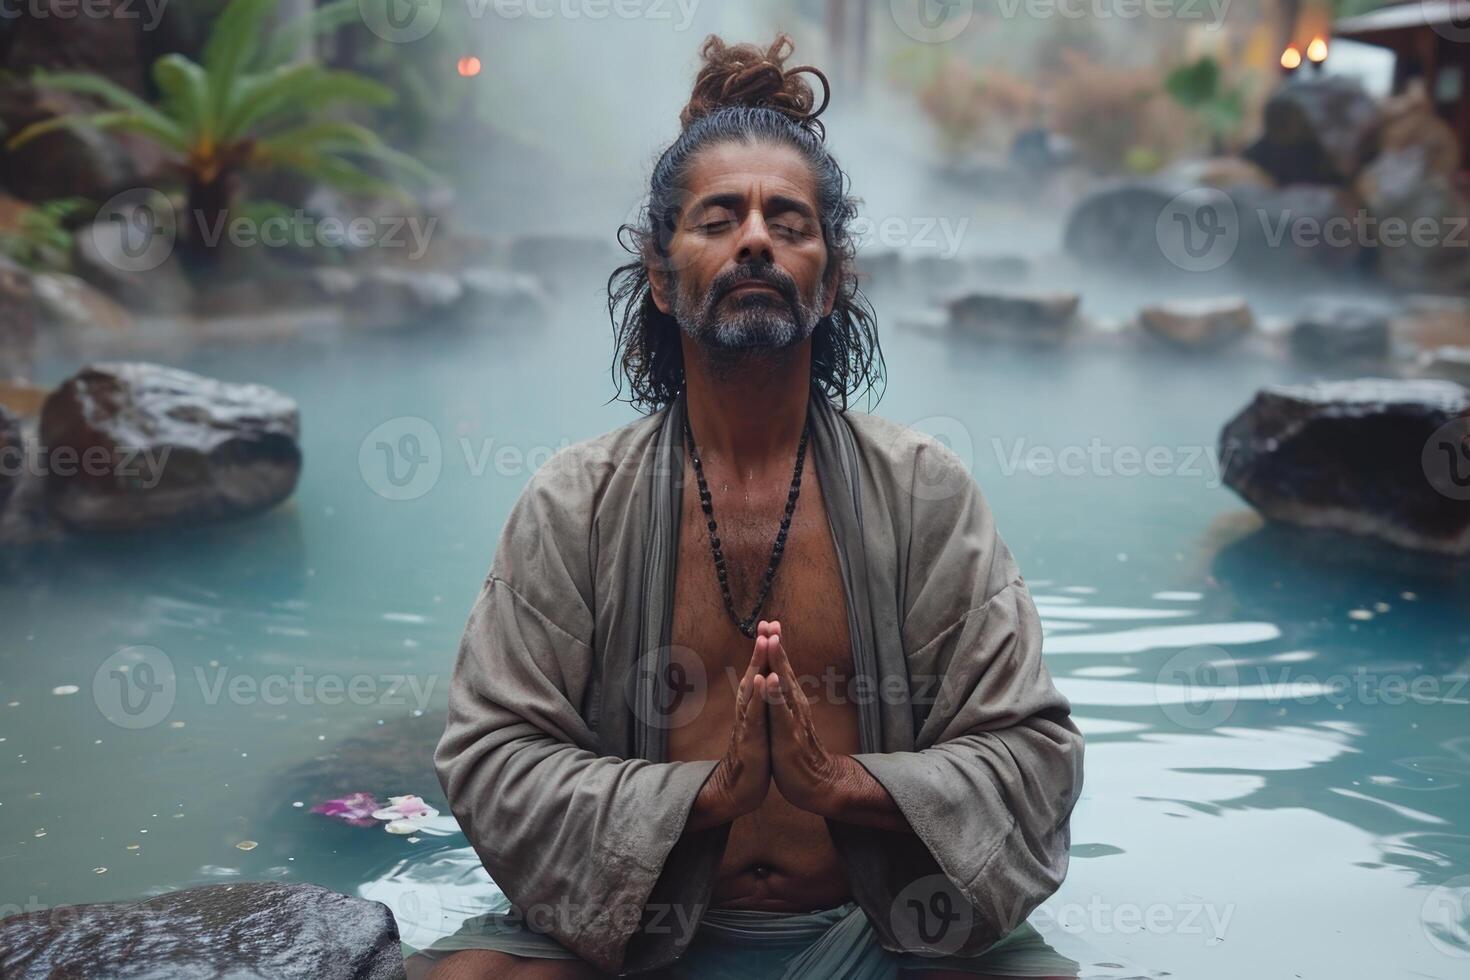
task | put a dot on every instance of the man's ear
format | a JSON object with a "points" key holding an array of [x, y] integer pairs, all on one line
{"points": [[658, 286]]}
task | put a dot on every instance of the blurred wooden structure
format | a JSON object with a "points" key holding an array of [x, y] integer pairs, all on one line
{"points": [[1429, 38]]}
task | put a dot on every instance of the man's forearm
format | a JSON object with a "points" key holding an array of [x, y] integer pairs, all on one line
{"points": [[857, 798]]}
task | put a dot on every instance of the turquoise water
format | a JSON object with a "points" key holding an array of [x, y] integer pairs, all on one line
{"points": [[1261, 798]]}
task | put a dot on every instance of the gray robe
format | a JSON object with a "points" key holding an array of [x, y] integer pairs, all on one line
{"points": [[553, 755]]}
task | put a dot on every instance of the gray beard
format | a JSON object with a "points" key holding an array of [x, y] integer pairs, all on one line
{"points": [[755, 327]]}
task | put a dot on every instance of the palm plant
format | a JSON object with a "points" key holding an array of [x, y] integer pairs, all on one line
{"points": [[245, 108]]}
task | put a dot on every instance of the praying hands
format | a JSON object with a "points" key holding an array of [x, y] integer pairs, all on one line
{"points": [[774, 739]]}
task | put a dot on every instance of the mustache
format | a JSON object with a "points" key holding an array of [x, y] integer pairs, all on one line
{"points": [[767, 274]]}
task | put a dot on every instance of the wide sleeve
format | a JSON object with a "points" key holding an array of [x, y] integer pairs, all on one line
{"points": [[997, 769], [575, 839]]}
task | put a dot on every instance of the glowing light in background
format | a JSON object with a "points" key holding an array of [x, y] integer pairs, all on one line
{"points": [[1291, 58], [1316, 51], [468, 67]]}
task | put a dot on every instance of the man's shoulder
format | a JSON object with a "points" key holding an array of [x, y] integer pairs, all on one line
{"points": [[581, 473], [909, 454]]}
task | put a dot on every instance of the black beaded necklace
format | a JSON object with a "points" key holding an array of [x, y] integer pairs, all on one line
{"points": [[746, 625]]}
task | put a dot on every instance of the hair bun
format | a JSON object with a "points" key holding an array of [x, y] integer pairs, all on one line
{"points": [[744, 75]]}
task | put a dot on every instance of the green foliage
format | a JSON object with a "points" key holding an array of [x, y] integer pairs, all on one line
{"points": [[245, 107], [1200, 87], [41, 239]]}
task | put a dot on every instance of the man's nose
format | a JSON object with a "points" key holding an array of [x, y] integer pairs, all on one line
{"points": [[755, 243]]}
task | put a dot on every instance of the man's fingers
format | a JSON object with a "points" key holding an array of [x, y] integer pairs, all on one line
{"points": [[781, 665]]}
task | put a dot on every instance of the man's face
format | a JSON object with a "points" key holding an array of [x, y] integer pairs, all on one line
{"points": [[747, 257]]}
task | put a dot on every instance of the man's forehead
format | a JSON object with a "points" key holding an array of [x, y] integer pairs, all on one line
{"points": [[743, 168]]}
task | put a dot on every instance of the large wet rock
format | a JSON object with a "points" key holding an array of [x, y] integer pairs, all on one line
{"points": [[249, 931], [1287, 232], [1377, 457], [17, 322], [70, 162], [1198, 324], [1167, 224], [1409, 120], [1339, 331], [1116, 225], [11, 454], [151, 446], [389, 296], [77, 313], [1015, 316], [1318, 130], [129, 255], [1421, 221]]}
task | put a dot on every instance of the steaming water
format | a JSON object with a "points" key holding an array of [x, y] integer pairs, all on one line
{"points": [[1295, 818], [1278, 765]]}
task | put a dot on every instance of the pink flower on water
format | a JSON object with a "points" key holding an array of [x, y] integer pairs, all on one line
{"points": [[405, 814], [357, 809]]}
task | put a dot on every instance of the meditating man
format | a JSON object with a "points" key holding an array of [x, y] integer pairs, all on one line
{"points": [[753, 687]]}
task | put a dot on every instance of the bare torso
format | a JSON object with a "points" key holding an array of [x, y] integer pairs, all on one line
{"points": [[778, 858]]}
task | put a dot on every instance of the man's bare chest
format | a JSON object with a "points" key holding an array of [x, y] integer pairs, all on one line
{"points": [[806, 596]]}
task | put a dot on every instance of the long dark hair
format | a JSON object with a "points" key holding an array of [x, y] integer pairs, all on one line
{"points": [[742, 94]]}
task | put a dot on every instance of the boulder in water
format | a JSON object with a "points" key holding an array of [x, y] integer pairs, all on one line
{"points": [[247, 930], [78, 313], [1384, 458], [134, 445], [128, 253], [1194, 324], [1318, 130], [1020, 316], [1340, 332], [1421, 221], [394, 296]]}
